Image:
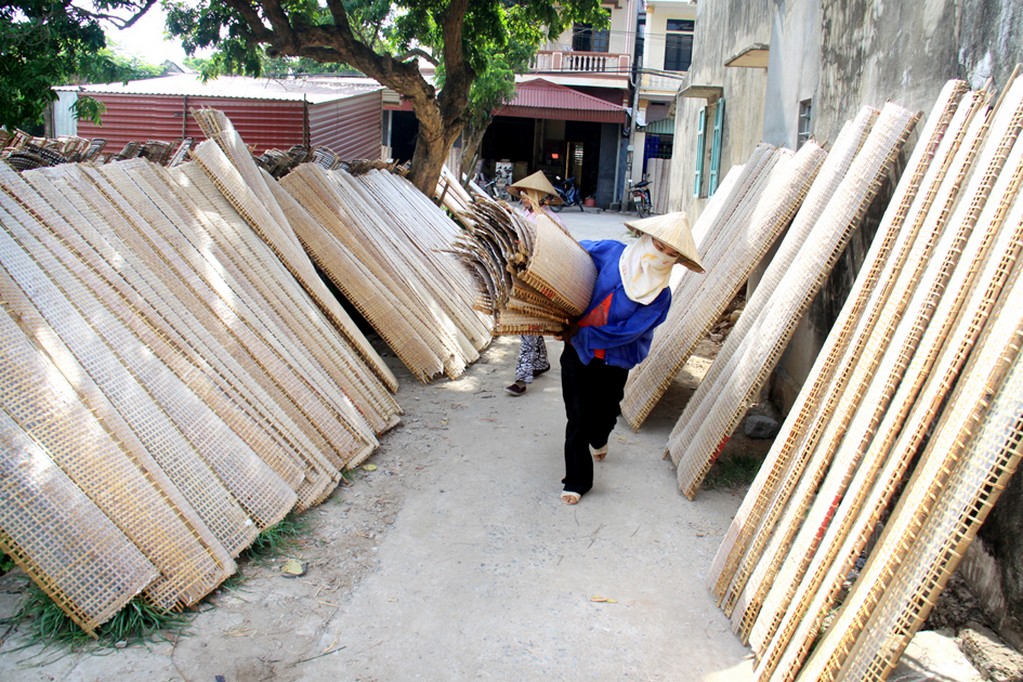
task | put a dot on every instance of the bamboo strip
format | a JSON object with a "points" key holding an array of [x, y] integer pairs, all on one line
{"points": [[858, 361], [782, 460], [796, 288], [979, 278]]}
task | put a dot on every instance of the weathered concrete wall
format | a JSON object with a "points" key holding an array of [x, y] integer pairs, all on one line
{"points": [[722, 30], [843, 55]]}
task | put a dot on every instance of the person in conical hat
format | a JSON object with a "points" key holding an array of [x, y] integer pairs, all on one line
{"points": [[534, 191], [537, 188], [630, 299]]}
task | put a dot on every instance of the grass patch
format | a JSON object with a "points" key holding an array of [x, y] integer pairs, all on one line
{"points": [[139, 621], [732, 472], [46, 624], [277, 540]]}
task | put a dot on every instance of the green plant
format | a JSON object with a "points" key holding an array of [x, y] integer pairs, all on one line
{"points": [[46, 623], [277, 539], [732, 472]]}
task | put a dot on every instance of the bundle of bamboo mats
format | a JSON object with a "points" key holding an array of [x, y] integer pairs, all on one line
{"points": [[910, 419], [178, 376], [532, 275]]}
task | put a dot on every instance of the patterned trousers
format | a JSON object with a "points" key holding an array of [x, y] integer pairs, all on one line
{"points": [[532, 359]]}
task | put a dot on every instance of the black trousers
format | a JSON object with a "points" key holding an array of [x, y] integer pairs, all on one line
{"points": [[593, 396]]}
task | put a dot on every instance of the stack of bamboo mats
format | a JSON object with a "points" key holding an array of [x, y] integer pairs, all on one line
{"points": [[532, 275], [911, 418], [177, 376]]}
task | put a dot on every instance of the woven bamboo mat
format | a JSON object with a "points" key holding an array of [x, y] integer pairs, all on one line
{"points": [[48, 526], [366, 232], [975, 444], [163, 439], [427, 234], [559, 268], [231, 167], [388, 300], [732, 242], [286, 364], [240, 318], [174, 317], [877, 359], [782, 463], [261, 290], [454, 325], [967, 302], [744, 372], [815, 205], [103, 458], [133, 379], [874, 364], [744, 543]]}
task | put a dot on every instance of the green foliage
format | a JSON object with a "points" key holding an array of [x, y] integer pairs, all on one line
{"points": [[47, 624], [732, 471], [45, 43], [277, 539]]}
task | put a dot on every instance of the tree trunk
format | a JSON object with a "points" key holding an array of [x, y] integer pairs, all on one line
{"points": [[472, 140]]}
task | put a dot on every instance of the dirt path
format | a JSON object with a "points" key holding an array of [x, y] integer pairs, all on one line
{"points": [[455, 559]]}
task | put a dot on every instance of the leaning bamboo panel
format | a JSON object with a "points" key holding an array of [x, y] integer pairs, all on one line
{"points": [[219, 511], [733, 241], [893, 266], [183, 330], [427, 233], [358, 283], [782, 463], [284, 364], [728, 212], [266, 290], [965, 304], [761, 347], [364, 231], [88, 441], [48, 526], [944, 502], [200, 444], [431, 231], [882, 354], [228, 163], [827, 184], [387, 299], [453, 326]]}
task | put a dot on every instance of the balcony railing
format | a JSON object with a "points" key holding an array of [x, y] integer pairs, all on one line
{"points": [[570, 61]]}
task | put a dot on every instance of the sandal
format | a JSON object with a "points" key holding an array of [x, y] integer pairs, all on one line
{"points": [[568, 497], [516, 389], [599, 453]]}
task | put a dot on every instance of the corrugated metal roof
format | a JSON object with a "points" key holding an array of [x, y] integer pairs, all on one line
{"points": [[240, 87], [539, 98], [662, 127]]}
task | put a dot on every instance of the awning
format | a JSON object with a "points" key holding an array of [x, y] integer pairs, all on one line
{"points": [[540, 98]]}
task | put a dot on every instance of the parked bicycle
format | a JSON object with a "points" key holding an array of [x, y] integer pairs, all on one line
{"points": [[569, 193], [640, 195]]}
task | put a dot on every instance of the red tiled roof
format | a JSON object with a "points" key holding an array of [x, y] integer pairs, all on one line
{"points": [[540, 98]]}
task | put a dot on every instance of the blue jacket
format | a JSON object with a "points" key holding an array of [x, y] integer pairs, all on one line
{"points": [[630, 326]]}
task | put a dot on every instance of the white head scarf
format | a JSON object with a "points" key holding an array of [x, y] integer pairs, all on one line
{"points": [[645, 270]]}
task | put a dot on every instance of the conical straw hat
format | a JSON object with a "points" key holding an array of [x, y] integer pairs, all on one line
{"points": [[537, 182], [672, 229]]}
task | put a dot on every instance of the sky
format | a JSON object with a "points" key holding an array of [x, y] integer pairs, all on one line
{"points": [[146, 40]]}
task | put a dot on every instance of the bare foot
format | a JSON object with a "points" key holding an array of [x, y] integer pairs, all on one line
{"points": [[599, 453], [570, 497]]}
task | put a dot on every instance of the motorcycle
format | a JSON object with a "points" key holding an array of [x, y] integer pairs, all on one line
{"points": [[640, 194], [569, 194]]}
